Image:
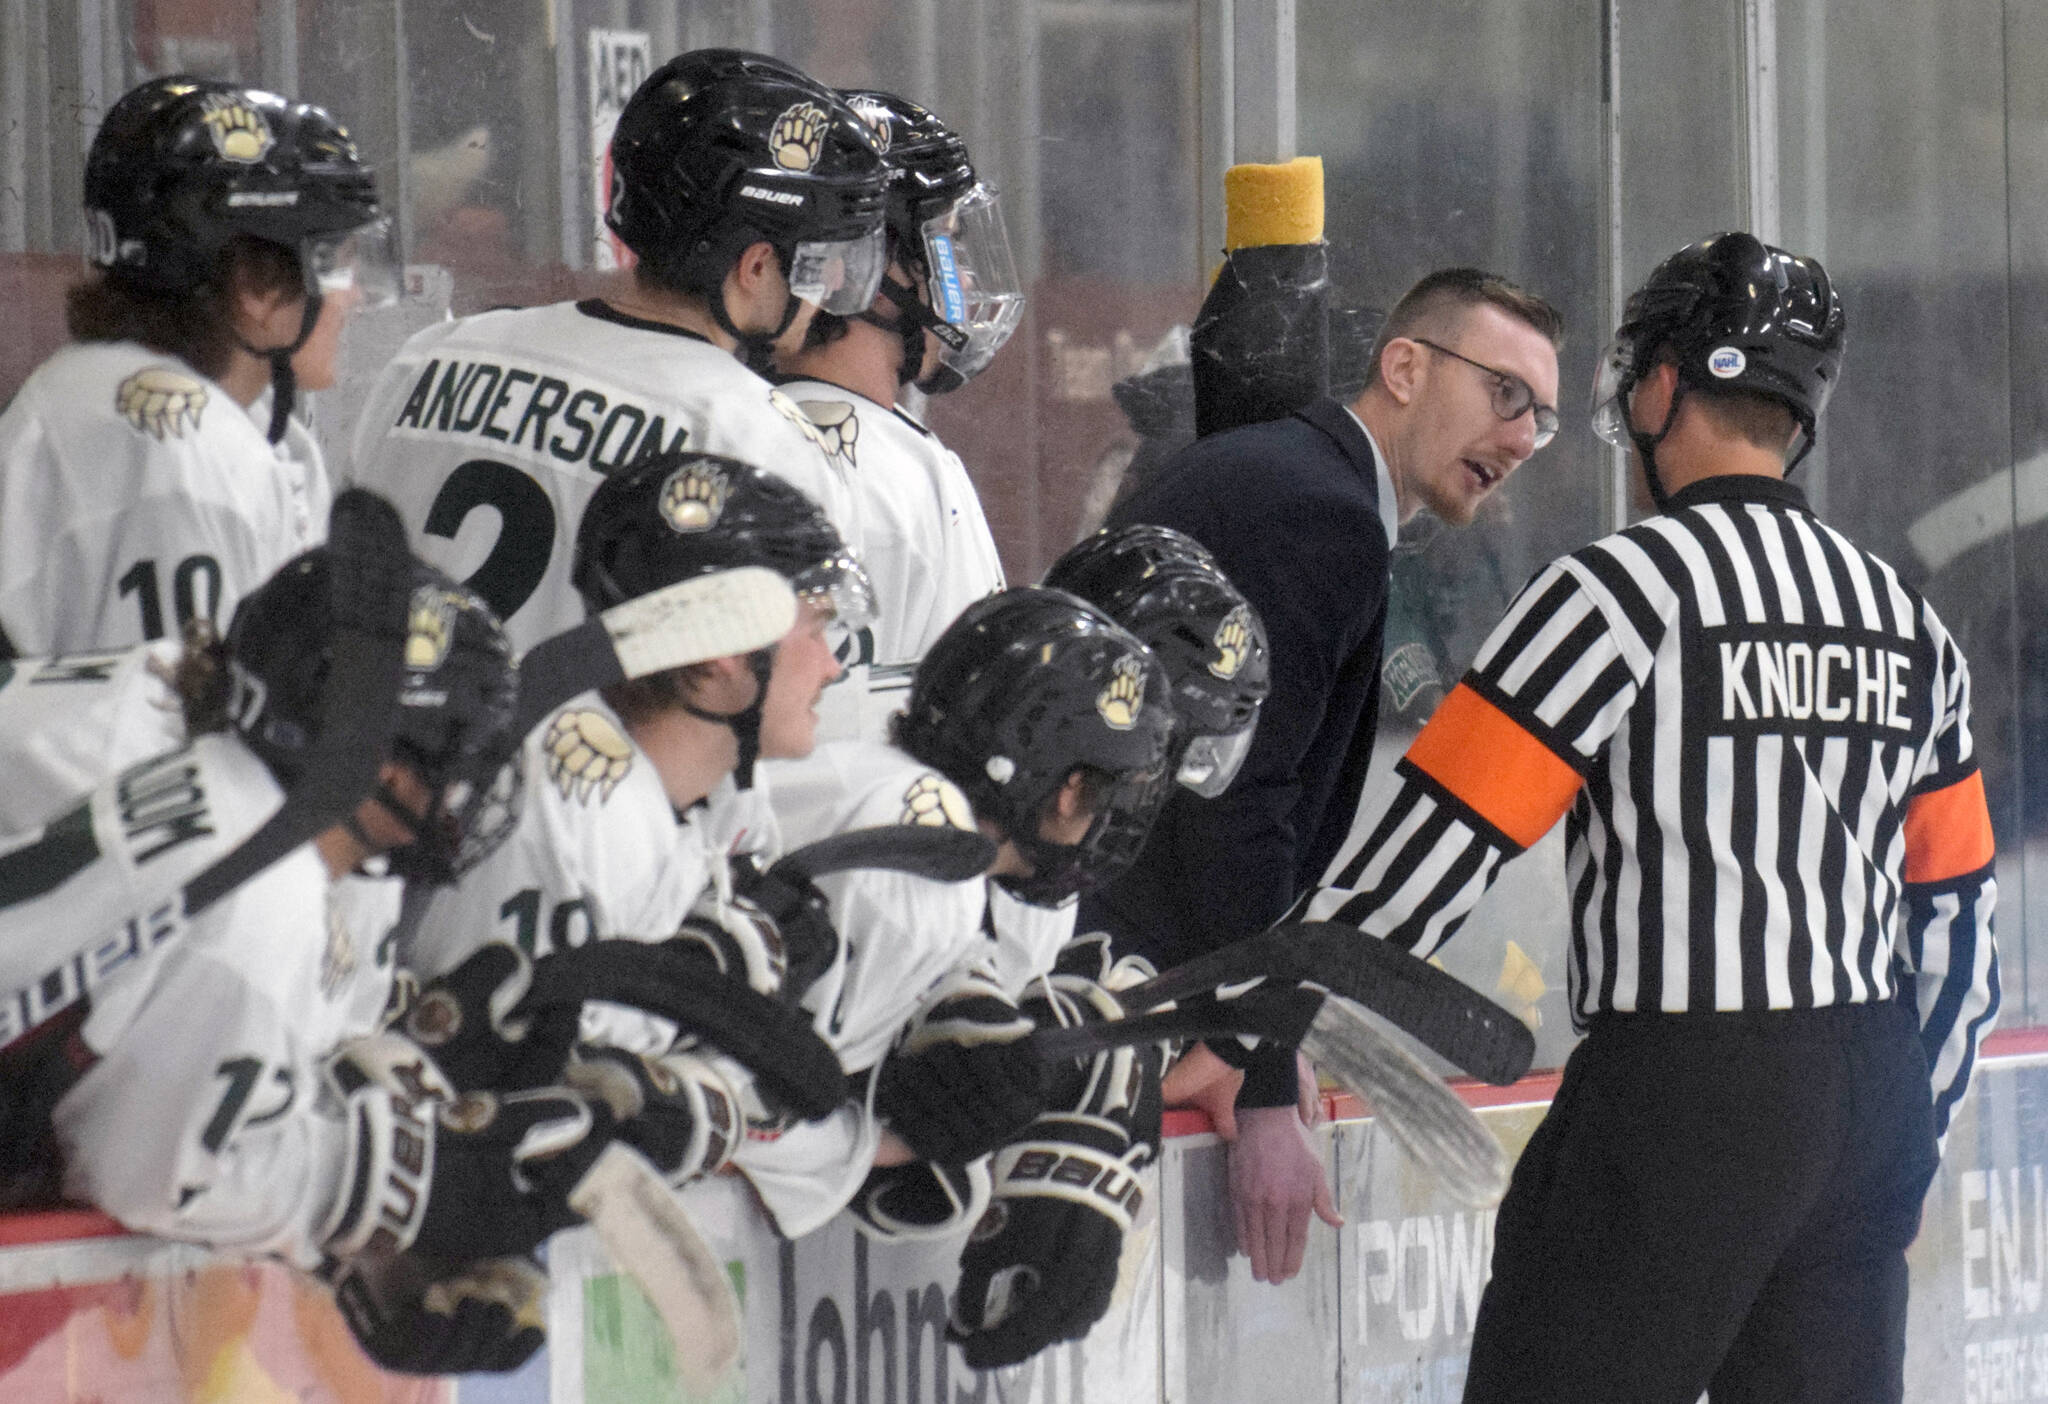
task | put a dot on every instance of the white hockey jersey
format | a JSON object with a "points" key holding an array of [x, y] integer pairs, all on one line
{"points": [[66, 724], [921, 533], [201, 1120], [135, 494], [899, 936], [523, 412]]}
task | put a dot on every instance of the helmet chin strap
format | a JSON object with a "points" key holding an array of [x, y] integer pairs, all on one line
{"points": [[1646, 444], [746, 722], [756, 350], [913, 320], [284, 381]]}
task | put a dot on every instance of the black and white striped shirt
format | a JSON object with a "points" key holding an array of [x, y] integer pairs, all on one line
{"points": [[1761, 739]]}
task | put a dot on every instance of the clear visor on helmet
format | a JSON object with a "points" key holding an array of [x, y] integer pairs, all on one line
{"points": [[840, 275], [364, 259], [1212, 761], [974, 285], [1610, 373], [840, 587]]}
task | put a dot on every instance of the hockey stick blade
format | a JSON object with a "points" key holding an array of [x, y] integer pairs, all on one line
{"points": [[943, 855], [1437, 1009], [649, 1234], [1424, 1116], [691, 621]]}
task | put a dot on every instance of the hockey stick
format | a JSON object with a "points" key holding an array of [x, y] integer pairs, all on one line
{"points": [[943, 855], [1429, 1121], [369, 574], [1438, 1010], [705, 617]]}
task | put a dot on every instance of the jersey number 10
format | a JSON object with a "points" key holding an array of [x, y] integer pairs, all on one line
{"points": [[194, 576]]}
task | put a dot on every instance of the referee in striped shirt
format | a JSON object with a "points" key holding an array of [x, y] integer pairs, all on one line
{"points": [[1779, 860]]}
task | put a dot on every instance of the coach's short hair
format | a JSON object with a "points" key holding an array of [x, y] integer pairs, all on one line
{"points": [[1450, 291]]}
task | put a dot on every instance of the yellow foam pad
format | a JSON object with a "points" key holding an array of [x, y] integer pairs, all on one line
{"points": [[1273, 204]]}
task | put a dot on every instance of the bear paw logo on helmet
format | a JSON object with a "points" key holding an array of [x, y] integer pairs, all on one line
{"points": [[1233, 637], [798, 136], [239, 131], [1124, 698], [429, 628], [161, 402], [934, 802], [586, 755], [693, 498], [876, 115], [838, 427]]}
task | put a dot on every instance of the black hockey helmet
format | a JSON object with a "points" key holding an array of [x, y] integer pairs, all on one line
{"points": [[180, 166], [674, 516], [947, 226], [1735, 313], [720, 149], [455, 706], [1166, 588], [1023, 689]]}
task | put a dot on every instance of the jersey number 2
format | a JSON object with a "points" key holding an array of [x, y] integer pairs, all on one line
{"points": [[526, 529]]}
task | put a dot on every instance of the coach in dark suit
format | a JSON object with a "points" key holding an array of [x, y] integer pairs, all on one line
{"points": [[1301, 512]]}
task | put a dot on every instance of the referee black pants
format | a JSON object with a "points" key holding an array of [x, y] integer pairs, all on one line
{"points": [[1715, 1203]]}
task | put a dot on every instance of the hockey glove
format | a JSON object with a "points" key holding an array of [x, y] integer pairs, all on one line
{"points": [[683, 1112], [468, 1021], [799, 912], [962, 1081], [454, 1178], [921, 1199], [415, 1319], [1041, 1266]]}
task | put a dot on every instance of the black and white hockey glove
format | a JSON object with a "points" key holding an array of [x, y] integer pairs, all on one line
{"points": [[800, 914], [453, 1177], [921, 1199], [416, 1318], [684, 1112], [1041, 1265], [470, 1022], [962, 1080]]}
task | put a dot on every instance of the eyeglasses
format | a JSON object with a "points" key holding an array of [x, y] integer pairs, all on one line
{"points": [[1512, 397]]}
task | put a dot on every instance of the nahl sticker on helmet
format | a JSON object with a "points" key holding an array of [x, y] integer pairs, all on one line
{"points": [[161, 402], [1233, 636], [586, 755], [429, 628], [798, 136], [239, 131], [934, 802], [1726, 362], [1124, 698], [838, 427], [693, 498]]}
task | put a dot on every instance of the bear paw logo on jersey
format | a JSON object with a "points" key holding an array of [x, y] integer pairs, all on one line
{"points": [[1233, 637], [934, 802], [239, 131], [798, 136], [1124, 698], [793, 412], [161, 402], [586, 755], [693, 498], [429, 628], [838, 427], [877, 118]]}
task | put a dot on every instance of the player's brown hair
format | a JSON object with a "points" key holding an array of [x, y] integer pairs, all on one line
{"points": [[196, 325], [642, 699], [1451, 292]]}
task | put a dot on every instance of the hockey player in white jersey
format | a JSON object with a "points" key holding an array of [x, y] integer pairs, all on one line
{"points": [[149, 472], [947, 303], [73, 721], [186, 1088], [631, 814], [751, 197]]}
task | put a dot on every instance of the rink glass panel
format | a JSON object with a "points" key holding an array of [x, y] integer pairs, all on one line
{"points": [[1535, 137]]}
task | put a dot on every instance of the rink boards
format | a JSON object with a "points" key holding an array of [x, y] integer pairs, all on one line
{"points": [[1382, 1310]]}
